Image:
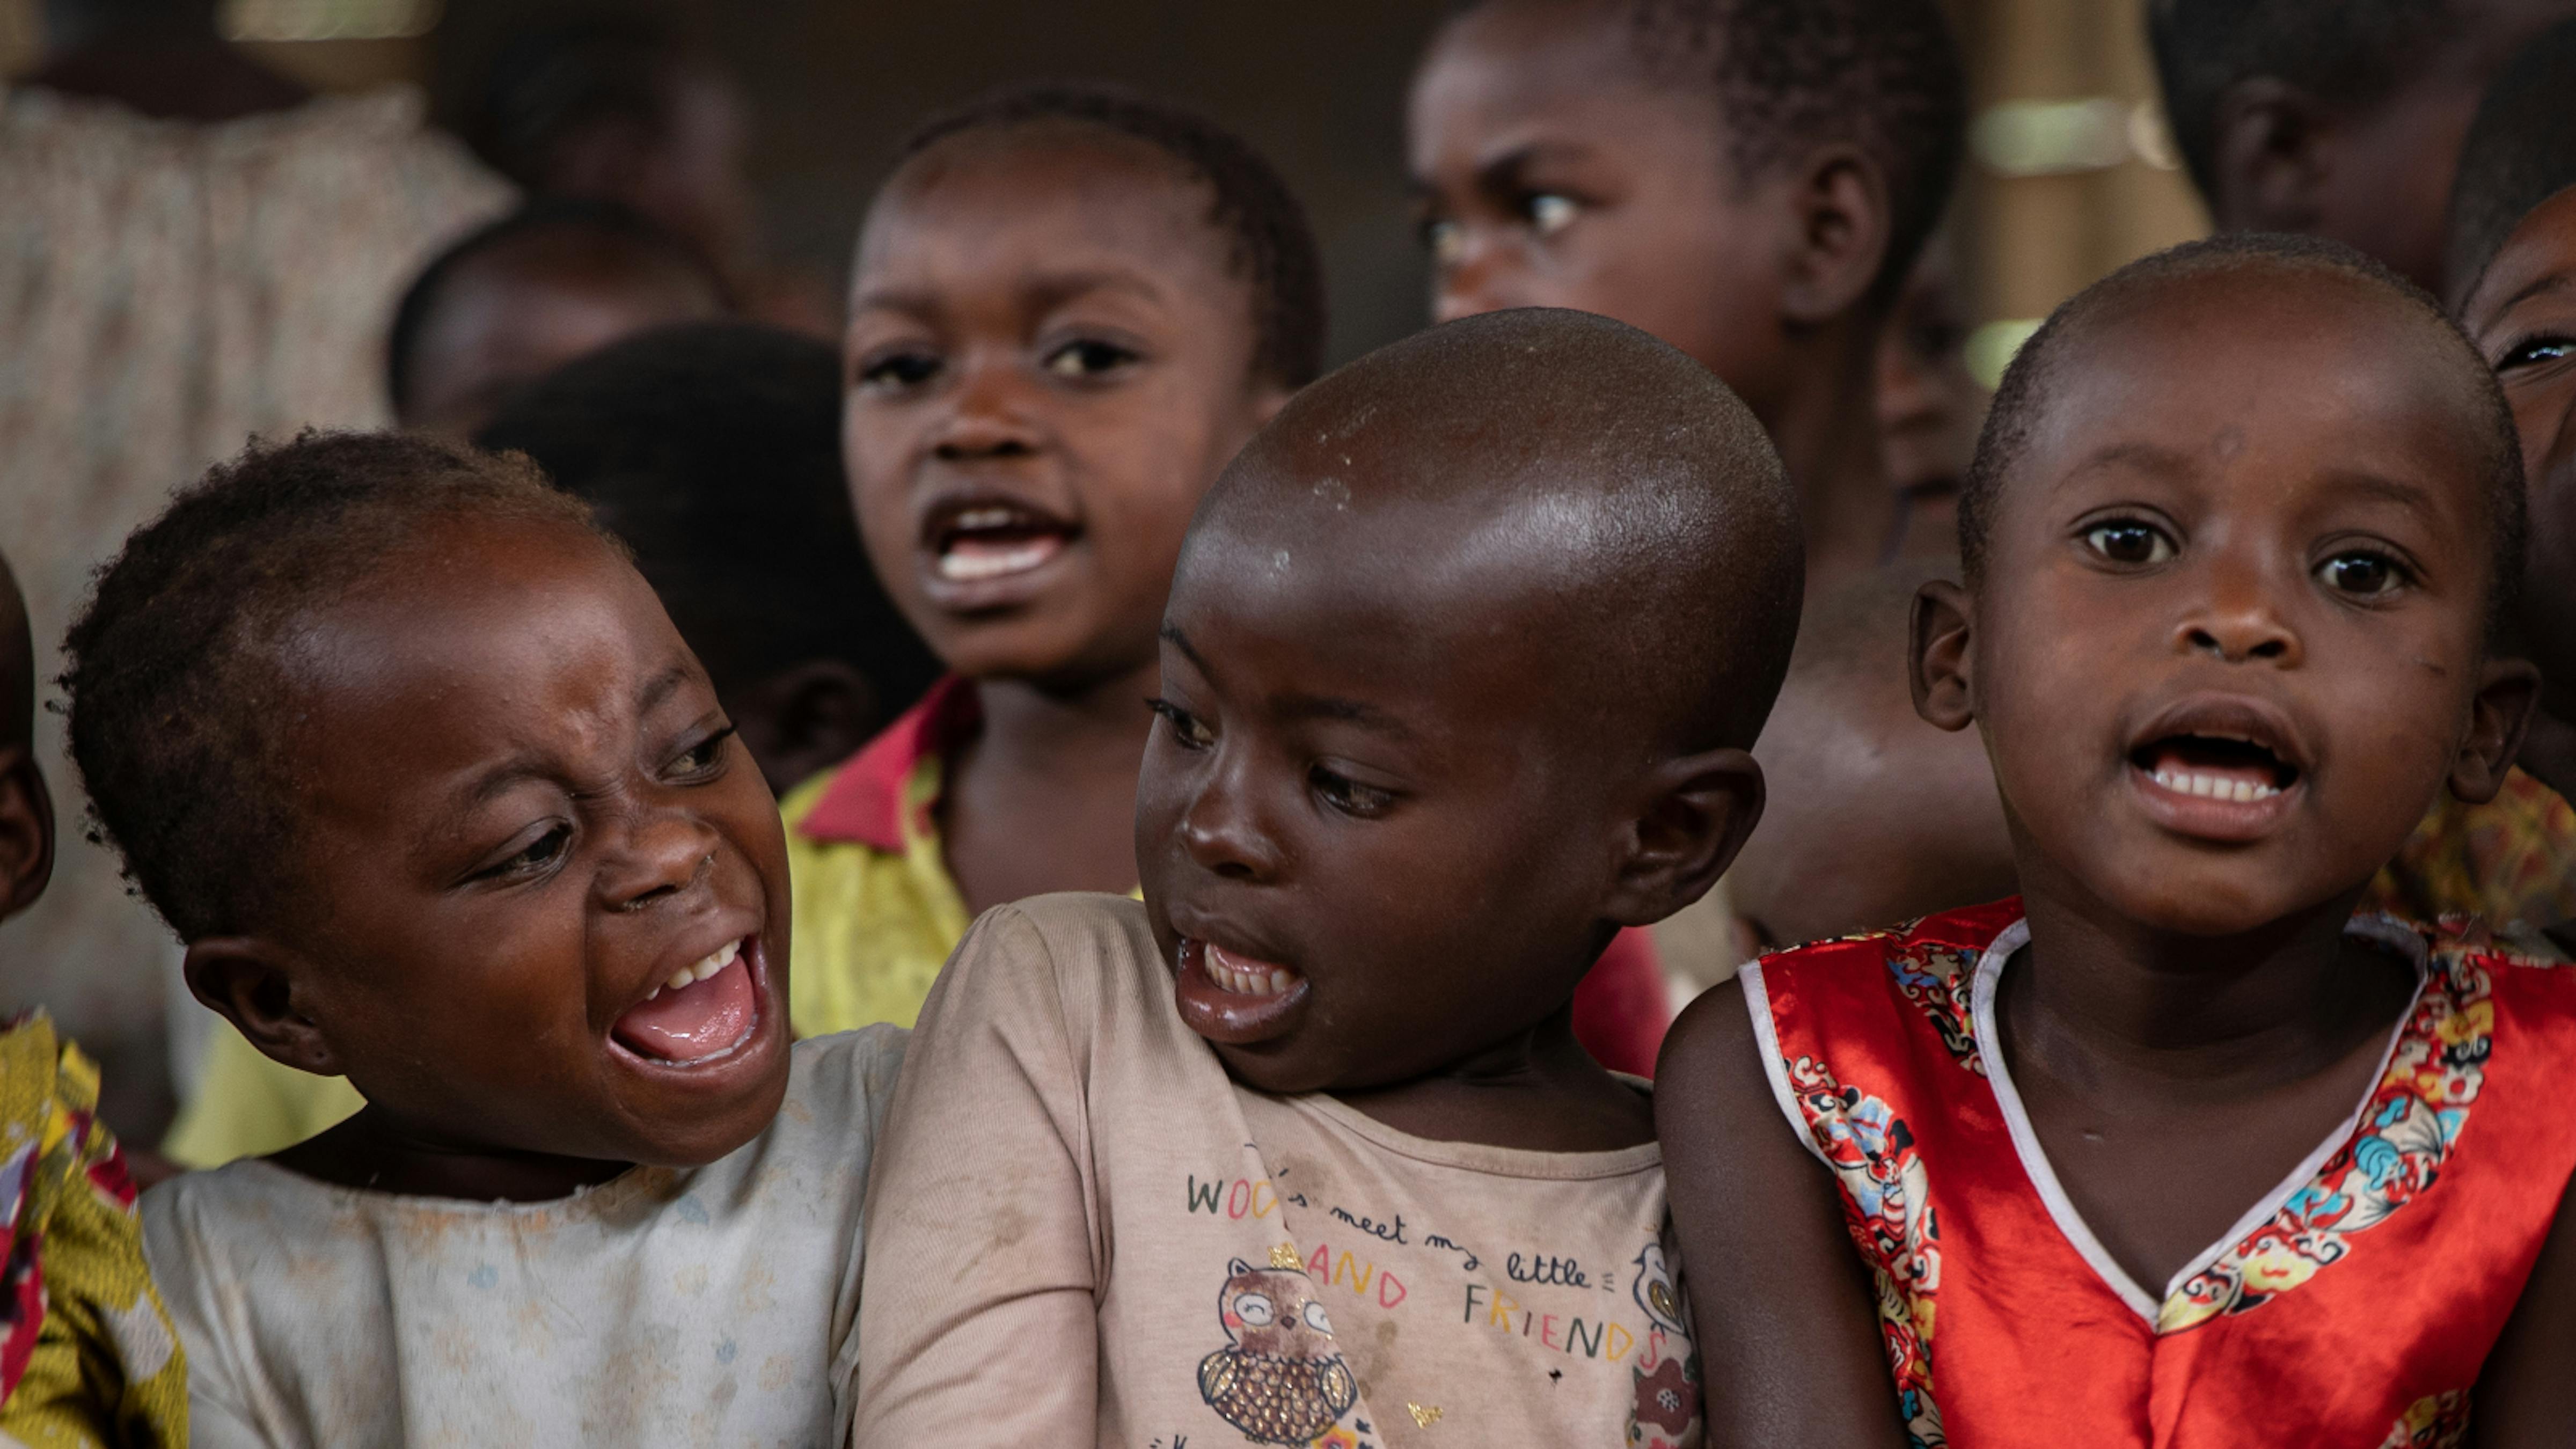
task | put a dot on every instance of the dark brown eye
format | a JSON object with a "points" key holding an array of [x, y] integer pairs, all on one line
{"points": [[2129, 542], [2366, 574]]}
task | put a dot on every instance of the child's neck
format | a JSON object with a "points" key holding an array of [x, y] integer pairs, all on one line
{"points": [[1044, 798], [1826, 428], [2209, 1015], [372, 1151], [1538, 1091]]}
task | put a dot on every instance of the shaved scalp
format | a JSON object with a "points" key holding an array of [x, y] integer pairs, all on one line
{"points": [[1633, 492]]}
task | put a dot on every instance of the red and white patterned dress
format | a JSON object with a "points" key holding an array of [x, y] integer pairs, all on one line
{"points": [[2354, 1305]]}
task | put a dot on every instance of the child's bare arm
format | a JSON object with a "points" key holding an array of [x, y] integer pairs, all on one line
{"points": [[1788, 1334], [977, 1324], [2523, 1399]]}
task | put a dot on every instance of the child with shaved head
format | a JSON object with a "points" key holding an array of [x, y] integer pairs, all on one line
{"points": [[1459, 671], [2184, 1146]]}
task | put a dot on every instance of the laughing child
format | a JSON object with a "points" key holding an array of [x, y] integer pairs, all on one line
{"points": [[1457, 677], [2176, 1148], [410, 757], [1070, 307]]}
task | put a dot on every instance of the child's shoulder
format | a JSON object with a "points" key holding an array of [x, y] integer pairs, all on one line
{"points": [[1079, 938]]}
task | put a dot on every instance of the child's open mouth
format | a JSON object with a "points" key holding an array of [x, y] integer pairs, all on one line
{"points": [[1230, 997], [2219, 767], [977, 541], [704, 1013]]}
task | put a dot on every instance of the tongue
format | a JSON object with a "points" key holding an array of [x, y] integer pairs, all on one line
{"points": [[700, 1020]]}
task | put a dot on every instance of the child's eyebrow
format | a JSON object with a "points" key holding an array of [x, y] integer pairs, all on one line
{"points": [[1300, 706], [661, 687], [1502, 175], [2556, 281], [2412, 497], [1334, 707]]}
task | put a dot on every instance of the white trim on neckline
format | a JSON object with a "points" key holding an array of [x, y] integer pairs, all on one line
{"points": [[2043, 1176]]}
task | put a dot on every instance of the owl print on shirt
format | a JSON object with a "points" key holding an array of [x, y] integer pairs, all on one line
{"points": [[1281, 1378]]}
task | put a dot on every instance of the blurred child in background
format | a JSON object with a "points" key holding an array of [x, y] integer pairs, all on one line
{"points": [[87, 1356], [2332, 118], [1070, 308], [1749, 180], [528, 293], [615, 106]]}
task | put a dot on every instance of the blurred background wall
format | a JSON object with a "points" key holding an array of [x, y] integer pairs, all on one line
{"points": [[2071, 173]]}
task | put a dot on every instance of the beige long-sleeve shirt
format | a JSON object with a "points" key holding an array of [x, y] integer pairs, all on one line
{"points": [[1081, 1230]]}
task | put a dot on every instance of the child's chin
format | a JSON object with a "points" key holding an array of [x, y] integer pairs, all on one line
{"points": [[682, 1136]]}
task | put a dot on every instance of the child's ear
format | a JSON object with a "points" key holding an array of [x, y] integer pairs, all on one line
{"points": [[2507, 698], [2268, 166], [1837, 240], [1699, 810], [26, 831], [805, 719], [1938, 659], [245, 980]]}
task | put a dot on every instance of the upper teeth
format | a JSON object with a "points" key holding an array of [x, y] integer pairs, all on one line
{"points": [[1248, 983], [700, 969], [988, 562], [2216, 787], [984, 518]]}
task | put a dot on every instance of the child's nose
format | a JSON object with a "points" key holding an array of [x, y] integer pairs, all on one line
{"points": [[1223, 834], [2239, 624], [988, 418], [667, 854]]}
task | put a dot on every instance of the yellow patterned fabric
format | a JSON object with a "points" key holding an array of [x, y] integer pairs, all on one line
{"points": [[2511, 861], [87, 1354]]}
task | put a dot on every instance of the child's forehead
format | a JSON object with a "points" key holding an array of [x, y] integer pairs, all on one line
{"points": [[2537, 259], [1503, 59], [1014, 199], [473, 605], [2313, 373]]}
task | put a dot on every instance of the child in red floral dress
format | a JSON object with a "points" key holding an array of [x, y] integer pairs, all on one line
{"points": [[2176, 1149]]}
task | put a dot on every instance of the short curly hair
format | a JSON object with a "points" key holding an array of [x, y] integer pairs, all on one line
{"points": [[1272, 244], [2030, 384], [1884, 75], [175, 688]]}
